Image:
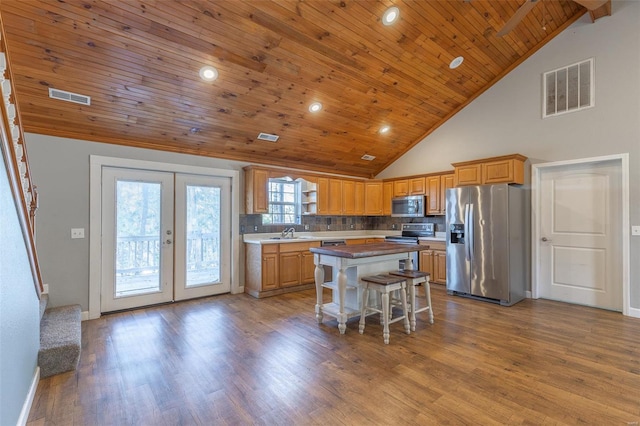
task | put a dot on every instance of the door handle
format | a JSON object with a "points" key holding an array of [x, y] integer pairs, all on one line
{"points": [[545, 239], [168, 241]]}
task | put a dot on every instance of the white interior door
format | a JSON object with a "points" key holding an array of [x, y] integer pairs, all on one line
{"points": [[202, 240], [137, 238], [580, 234]]}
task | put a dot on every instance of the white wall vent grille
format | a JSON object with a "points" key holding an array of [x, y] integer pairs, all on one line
{"points": [[69, 97], [367, 157], [568, 89], [268, 137]]}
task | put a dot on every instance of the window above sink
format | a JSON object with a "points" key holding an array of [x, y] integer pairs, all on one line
{"points": [[284, 202]]}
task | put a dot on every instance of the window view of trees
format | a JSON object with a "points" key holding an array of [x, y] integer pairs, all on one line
{"points": [[284, 202], [203, 235], [138, 237]]}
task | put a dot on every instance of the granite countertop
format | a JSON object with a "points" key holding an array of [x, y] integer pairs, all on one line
{"points": [[315, 236], [364, 250], [328, 235]]}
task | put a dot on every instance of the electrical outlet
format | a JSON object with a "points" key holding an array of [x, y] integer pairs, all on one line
{"points": [[393, 226], [255, 228], [77, 233], [306, 227], [635, 230], [328, 227], [352, 226]]}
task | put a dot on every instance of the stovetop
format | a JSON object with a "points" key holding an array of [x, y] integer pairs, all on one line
{"points": [[411, 232]]}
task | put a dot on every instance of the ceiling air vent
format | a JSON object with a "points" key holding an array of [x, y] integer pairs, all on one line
{"points": [[367, 157], [69, 97], [268, 137]]}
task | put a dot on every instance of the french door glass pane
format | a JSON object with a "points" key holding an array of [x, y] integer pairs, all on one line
{"points": [[203, 235], [138, 238]]}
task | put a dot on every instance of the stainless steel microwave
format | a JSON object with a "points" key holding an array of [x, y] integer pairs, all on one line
{"points": [[410, 206]]}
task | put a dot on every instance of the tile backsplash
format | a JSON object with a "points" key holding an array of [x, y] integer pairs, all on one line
{"points": [[252, 223]]}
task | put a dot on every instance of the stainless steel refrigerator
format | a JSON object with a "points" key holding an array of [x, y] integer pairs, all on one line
{"points": [[488, 242]]}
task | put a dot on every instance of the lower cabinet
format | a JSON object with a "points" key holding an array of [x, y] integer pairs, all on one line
{"points": [[272, 269], [434, 261]]}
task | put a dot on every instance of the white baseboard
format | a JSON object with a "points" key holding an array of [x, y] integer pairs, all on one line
{"points": [[527, 294], [84, 316], [26, 407], [634, 312]]}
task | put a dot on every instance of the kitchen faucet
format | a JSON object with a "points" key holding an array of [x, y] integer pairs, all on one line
{"points": [[286, 232]]}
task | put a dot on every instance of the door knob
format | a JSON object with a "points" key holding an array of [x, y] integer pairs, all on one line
{"points": [[545, 239]]}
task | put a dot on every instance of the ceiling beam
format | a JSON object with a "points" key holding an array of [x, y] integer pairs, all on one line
{"points": [[597, 8]]}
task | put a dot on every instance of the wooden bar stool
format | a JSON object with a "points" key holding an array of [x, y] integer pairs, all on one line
{"points": [[415, 278], [384, 284]]}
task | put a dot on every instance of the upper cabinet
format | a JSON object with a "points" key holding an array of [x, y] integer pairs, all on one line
{"points": [[387, 195], [505, 169], [373, 198], [437, 186], [417, 186], [328, 195], [400, 187], [256, 198]]}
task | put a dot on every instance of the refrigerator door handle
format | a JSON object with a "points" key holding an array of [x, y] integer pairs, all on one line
{"points": [[467, 253], [470, 235]]}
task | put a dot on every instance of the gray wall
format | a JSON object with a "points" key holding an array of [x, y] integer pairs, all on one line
{"points": [[507, 118], [60, 169], [19, 311]]}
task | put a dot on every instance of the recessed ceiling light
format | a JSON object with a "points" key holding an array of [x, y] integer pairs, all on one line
{"points": [[390, 15], [315, 107], [384, 129], [208, 73], [456, 62]]}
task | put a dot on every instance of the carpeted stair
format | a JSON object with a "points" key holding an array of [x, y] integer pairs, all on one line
{"points": [[60, 332]]}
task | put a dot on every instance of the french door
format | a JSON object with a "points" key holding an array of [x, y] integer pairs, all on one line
{"points": [[164, 237]]}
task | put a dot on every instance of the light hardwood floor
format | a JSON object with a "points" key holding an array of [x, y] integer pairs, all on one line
{"points": [[233, 359]]}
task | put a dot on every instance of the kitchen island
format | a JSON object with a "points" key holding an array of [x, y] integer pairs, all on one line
{"points": [[348, 263]]}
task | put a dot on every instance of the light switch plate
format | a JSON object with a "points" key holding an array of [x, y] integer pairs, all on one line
{"points": [[77, 233], [635, 230]]}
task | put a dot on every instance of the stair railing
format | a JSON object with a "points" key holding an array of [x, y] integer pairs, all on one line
{"points": [[16, 160]]}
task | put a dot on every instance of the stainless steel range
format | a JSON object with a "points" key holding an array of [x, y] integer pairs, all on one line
{"points": [[411, 233]]}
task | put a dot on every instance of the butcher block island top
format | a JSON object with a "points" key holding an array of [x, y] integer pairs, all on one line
{"points": [[357, 251]]}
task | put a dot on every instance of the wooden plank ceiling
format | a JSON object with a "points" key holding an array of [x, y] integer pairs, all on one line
{"points": [[138, 60]]}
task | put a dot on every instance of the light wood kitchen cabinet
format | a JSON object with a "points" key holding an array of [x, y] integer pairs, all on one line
{"points": [[359, 194], [505, 169], [440, 267], [373, 198], [256, 187], [387, 195], [470, 174], [400, 188], [509, 170], [273, 269], [329, 196], [295, 262], [335, 197], [433, 194], [437, 186], [261, 268], [348, 197], [417, 186], [352, 241], [447, 181], [426, 263], [434, 261]]}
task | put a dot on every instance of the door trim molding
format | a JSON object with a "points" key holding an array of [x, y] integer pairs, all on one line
{"points": [[97, 162], [622, 161]]}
